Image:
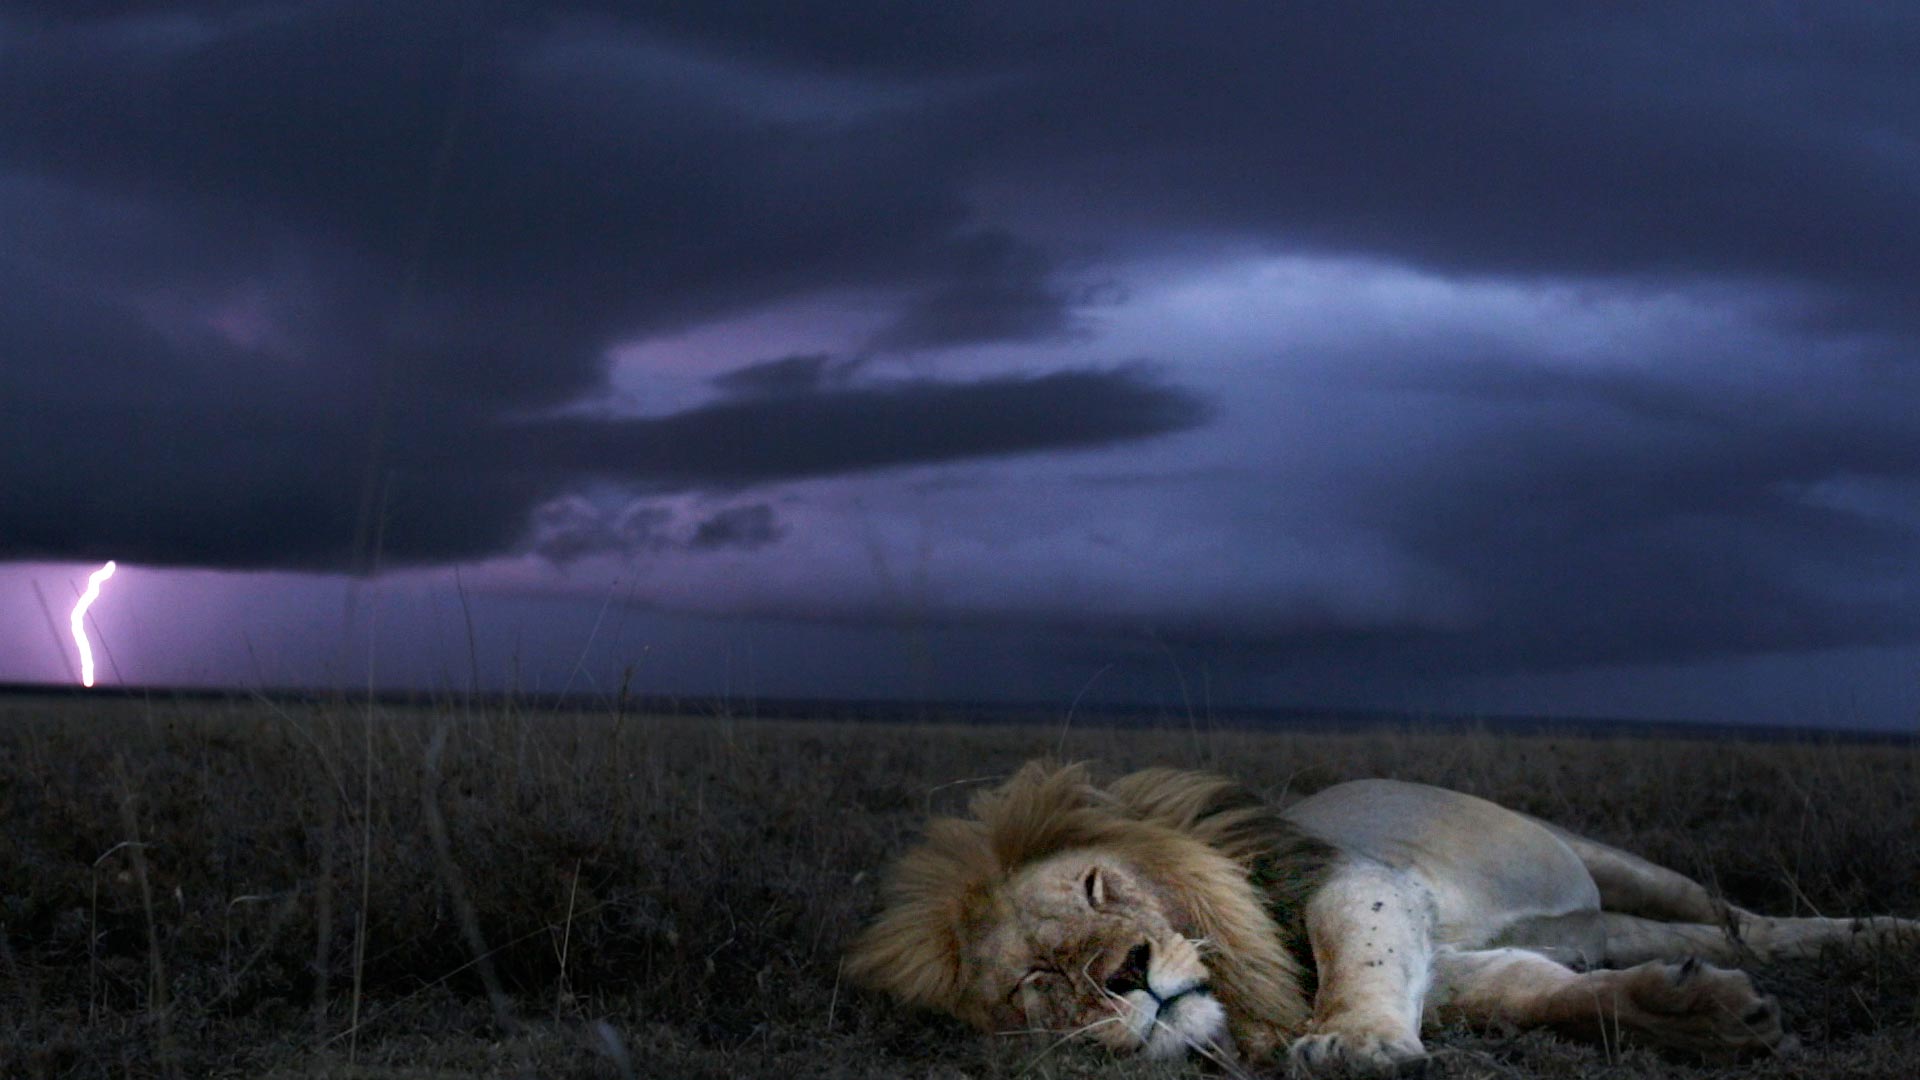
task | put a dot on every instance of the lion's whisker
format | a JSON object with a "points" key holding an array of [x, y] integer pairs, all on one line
{"points": [[1064, 1033], [1208, 1050], [1061, 1041], [1130, 1006]]}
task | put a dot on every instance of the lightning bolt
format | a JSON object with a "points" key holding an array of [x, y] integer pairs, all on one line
{"points": [[79, 618]]}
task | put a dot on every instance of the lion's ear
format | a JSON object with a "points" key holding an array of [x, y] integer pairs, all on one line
{"points": [[915, 950]]}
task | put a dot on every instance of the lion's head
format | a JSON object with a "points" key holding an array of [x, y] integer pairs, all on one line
{"points": [[1124, 913]]}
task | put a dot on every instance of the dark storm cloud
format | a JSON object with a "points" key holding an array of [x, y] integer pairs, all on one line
{"points": [[257, 254], [573, 527], [1770, 139], [786, 376], [494, 192], [746, 527], [1696, 527], [195, 476], [1763, 139], [1623, 518], [816, 433], [262, 260], [997, 290]]}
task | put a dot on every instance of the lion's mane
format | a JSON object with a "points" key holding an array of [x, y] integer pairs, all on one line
{"points": [[1227, 861]]}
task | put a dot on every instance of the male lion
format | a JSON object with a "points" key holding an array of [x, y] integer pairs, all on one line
{"points": [[1176, 910]]}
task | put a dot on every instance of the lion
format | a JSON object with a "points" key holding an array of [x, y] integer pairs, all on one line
{"points": [[1170, 912]]}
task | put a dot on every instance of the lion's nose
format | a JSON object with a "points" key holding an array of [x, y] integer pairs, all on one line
{"points": [[1132, 974]]}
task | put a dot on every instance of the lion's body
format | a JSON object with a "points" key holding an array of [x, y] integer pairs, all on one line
{"points": [[1174, 910], [1486, 868]]}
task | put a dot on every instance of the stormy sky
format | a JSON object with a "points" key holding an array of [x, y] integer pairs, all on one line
{"points": [[1515, 357]]}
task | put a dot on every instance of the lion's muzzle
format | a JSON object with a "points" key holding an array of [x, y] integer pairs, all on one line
{"points": [[1169, 1006]]}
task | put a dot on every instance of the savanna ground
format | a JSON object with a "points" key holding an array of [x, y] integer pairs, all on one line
{"points": [[260, 889]]}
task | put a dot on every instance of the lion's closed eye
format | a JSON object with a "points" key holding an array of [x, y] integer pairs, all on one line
{"points": [[1044, 972], [1040, 976]]}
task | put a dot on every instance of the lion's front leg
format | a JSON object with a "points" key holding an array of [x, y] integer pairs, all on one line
{"points": [[1371, 931]]}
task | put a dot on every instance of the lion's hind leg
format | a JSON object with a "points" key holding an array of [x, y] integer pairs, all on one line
{"points": [[1656, 913], [1633, 940], [1653, 913], [1773, 938], [1634, 886], [1703, 1011]]}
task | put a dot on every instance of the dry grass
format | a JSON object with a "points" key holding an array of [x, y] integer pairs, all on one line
{"points": [[194, 890]]}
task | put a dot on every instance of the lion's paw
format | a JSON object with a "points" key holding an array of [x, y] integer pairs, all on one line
{"points": [[1341, 1053], [1709, 1011]]}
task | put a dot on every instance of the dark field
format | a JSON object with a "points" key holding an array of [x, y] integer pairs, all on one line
{"points": [[264, 890]]}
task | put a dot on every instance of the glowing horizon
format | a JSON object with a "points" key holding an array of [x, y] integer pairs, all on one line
{"points": [[79, 617]]}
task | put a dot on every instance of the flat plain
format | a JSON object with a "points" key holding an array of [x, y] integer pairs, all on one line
{"points": [[261, 888]]}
